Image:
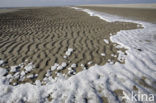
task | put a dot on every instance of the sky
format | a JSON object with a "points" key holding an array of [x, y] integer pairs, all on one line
{"points": [[21, 3]]}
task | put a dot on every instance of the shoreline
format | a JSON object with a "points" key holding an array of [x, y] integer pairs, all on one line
{"points": [[141, 14], [141, 6]]}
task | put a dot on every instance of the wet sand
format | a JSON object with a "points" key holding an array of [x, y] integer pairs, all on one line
{"points": [[142, 12], [43, 35], [7, 10]]}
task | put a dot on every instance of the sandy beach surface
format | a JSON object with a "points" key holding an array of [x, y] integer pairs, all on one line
{"points": [[5, 10], [145, 12], [76, 55], [42, 36]]}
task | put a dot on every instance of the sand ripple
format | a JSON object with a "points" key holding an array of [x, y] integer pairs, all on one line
{"points": [[42, 36]]}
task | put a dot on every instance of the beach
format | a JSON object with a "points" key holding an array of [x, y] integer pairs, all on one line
{"points": [[142, 12], [90, 53], [4, 10], [42, 36]]}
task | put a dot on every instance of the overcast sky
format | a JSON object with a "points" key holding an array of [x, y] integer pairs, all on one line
{"points": [[21, 3]]}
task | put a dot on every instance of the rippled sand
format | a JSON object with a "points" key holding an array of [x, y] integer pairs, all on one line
{"points": [[43, 35]]}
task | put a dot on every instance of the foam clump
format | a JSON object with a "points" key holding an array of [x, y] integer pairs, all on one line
{"points": [[54, 67], [29, 67], [64, 64], [106, 41], [1, 62], [73, 65], [103, 54], [68, 52], [13, 68], [3, 71], [58, 66]]}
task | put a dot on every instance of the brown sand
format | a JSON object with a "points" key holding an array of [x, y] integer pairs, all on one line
{"points": [[43, 35], [7, 10], [144, 14]]}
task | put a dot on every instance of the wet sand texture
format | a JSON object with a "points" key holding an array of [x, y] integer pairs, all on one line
{"points": [[43, 35], [144, 14], [7, 10]]}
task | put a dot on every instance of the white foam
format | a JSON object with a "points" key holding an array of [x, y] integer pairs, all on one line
{"points": [[22, 73], [13, 68], [121, 56], [16, 75], [106, 41], [38, 83], [48, 73], [30, 76], [89, 63], [2, 71], [73, 65], [68, 52], [54, 67], [1, 62], [59, 67], [103, 54], [64, 64], [29, 67]]}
